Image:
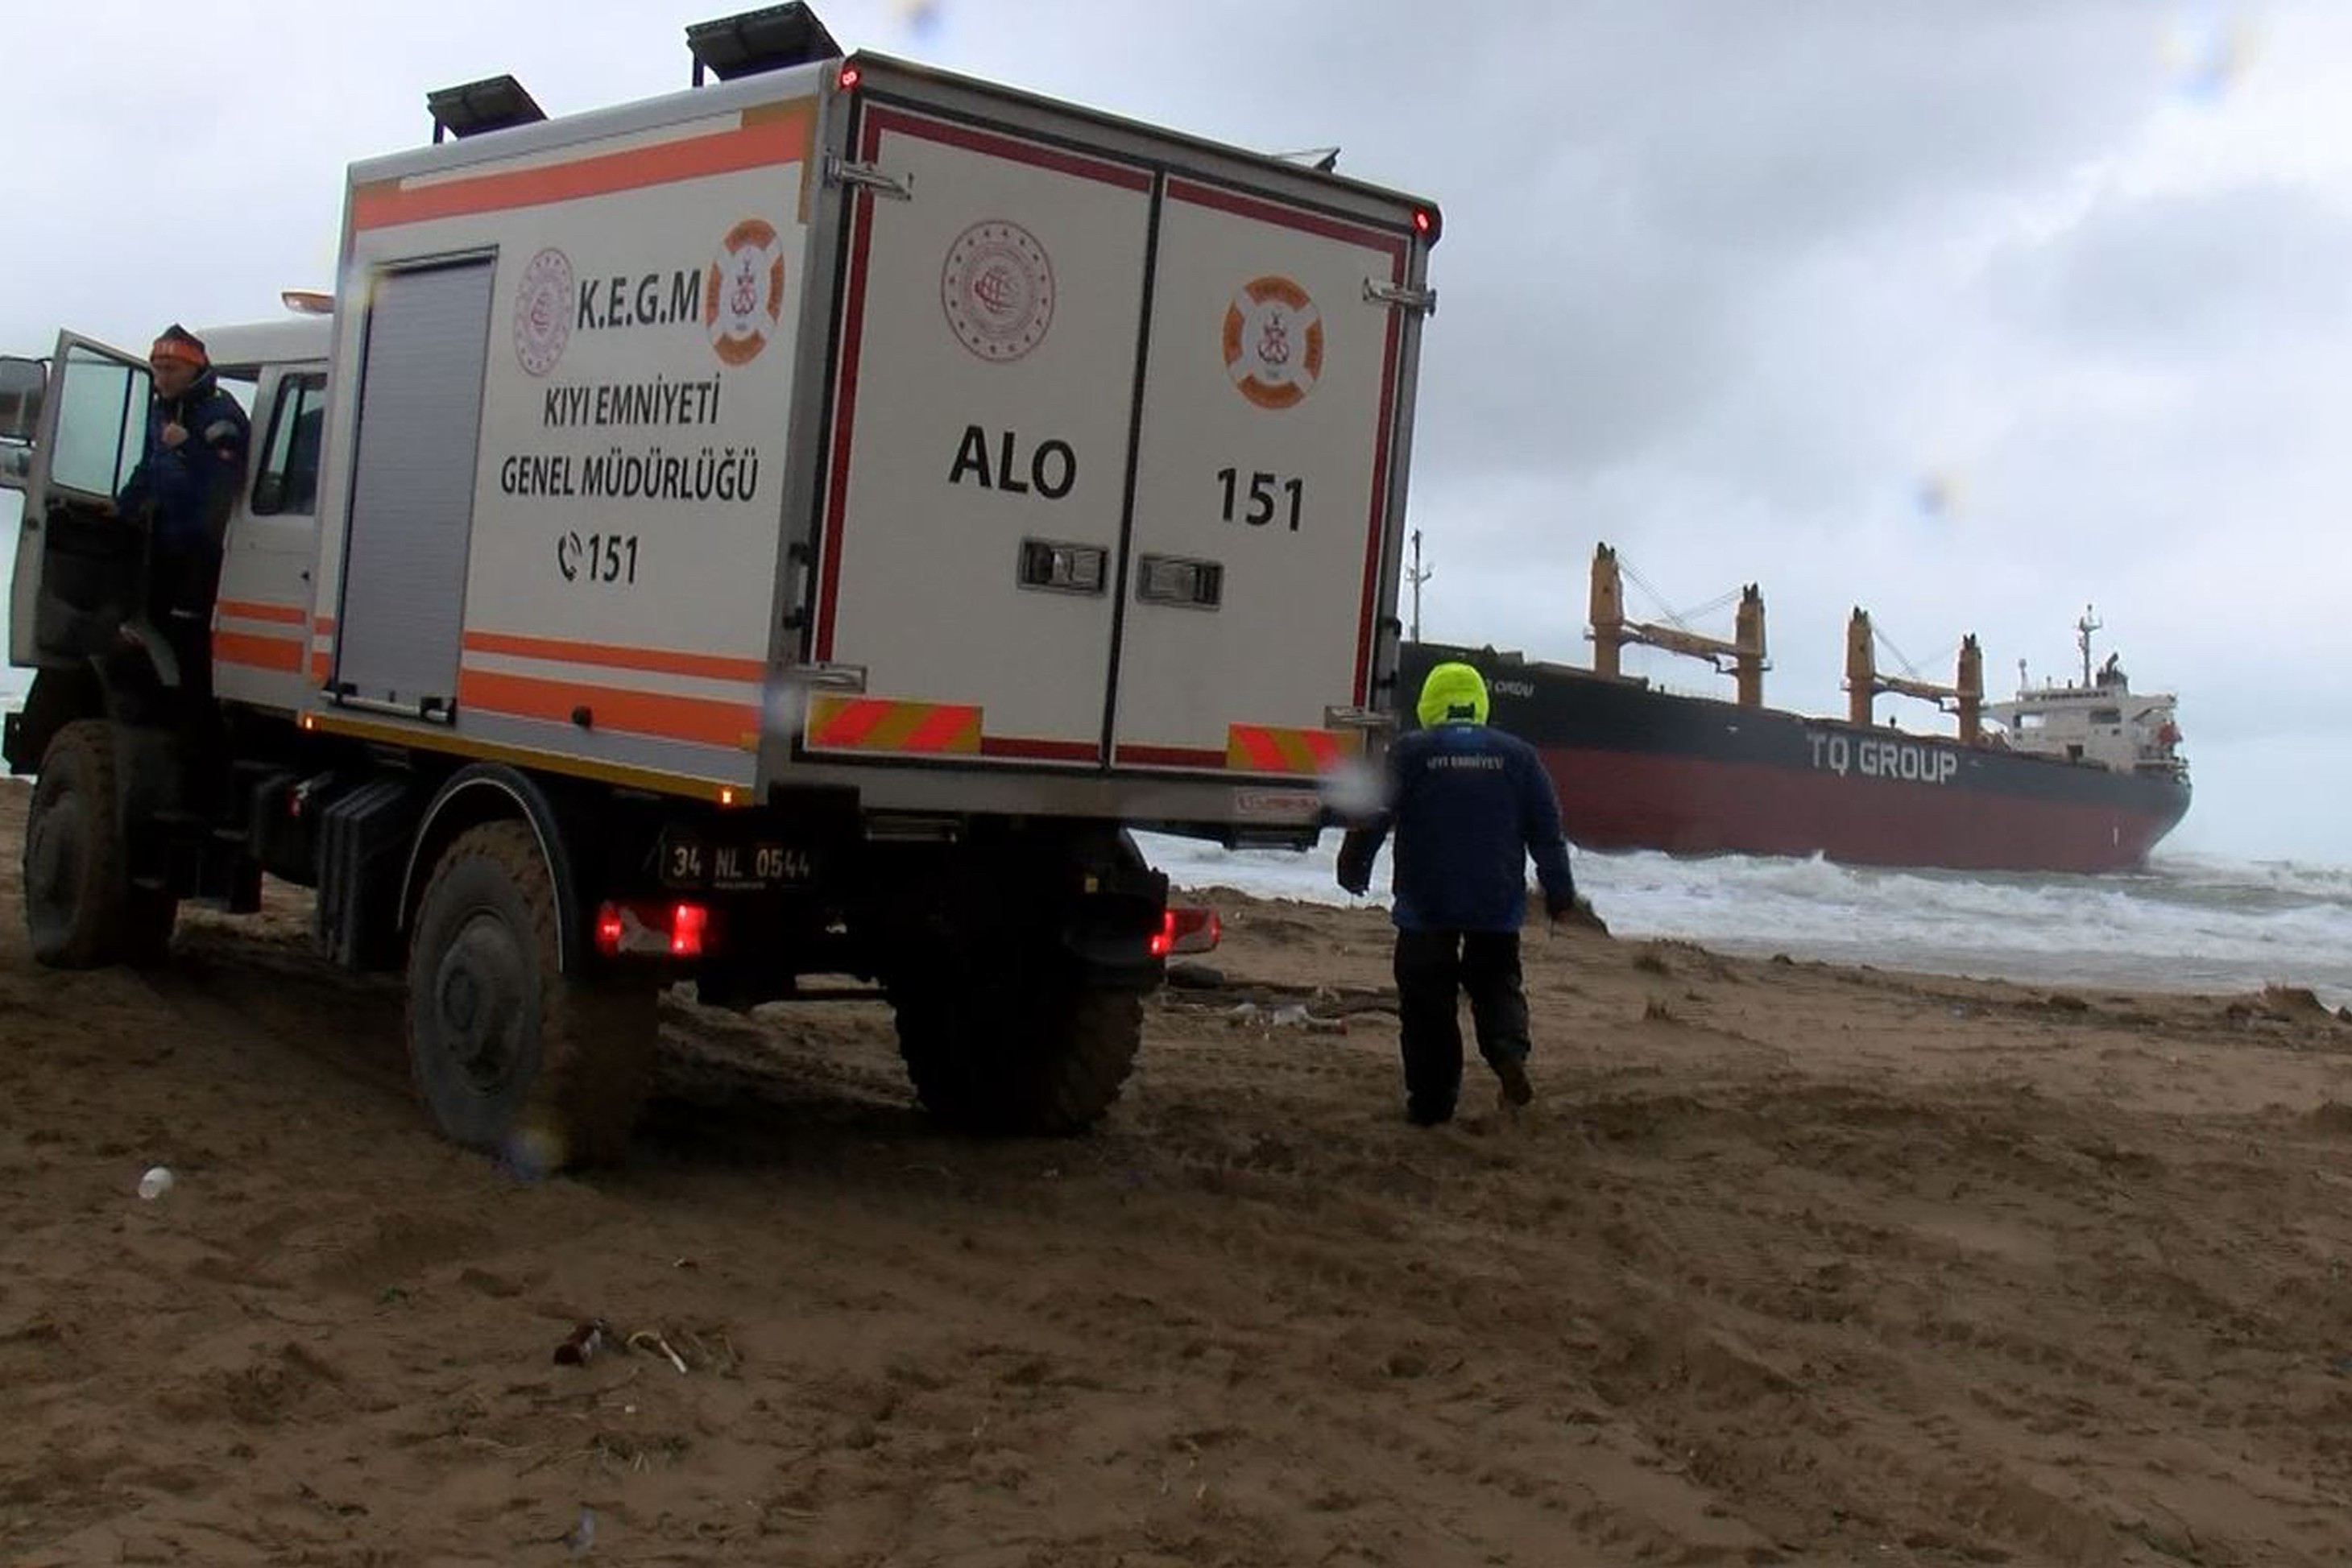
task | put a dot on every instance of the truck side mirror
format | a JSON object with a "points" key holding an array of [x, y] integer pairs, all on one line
{"points": [[22, 384]]}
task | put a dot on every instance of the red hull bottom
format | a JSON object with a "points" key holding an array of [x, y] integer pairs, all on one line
{"points": [[1700, 806]]}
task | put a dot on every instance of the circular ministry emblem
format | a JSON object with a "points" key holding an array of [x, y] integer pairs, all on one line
{"points": [[542, 316], [997, 289], [743, 296], [1273, 342]]}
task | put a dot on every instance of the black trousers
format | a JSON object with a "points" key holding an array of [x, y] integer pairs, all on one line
{"points": [[1433, 968], [181, 588]]}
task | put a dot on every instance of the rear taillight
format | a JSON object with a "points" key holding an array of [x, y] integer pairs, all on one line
{"points": [[633, 927], [1187, 929]]}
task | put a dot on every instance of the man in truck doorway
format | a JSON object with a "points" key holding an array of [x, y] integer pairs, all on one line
{"points": [[187, 484], [1469, 805]]}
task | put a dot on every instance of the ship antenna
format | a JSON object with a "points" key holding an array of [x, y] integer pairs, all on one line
{"points": [[1418, 575], [2084, 627]]}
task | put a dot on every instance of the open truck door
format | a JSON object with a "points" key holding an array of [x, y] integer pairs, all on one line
{"points": [[69, 437]]}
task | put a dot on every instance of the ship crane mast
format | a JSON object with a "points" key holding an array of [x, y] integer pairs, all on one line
{"points": [[1863, 683], [1742, 657]]}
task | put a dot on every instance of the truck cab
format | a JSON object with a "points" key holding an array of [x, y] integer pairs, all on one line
{"points": [[72, 429]]}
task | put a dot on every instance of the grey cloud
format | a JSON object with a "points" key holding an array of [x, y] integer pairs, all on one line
{"points": [[2172, 277], [1813, 121]]}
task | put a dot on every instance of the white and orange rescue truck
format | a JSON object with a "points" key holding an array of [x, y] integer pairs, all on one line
{"points": [[791, 528]]}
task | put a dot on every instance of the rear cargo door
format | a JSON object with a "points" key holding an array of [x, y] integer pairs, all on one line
{"points": [[993, 307], [1262, 480]]}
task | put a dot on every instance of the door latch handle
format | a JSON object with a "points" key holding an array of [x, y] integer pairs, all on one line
{"points": [[1172, 579]]}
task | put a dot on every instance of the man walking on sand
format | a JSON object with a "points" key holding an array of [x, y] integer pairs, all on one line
{"points": [[1469, 804]]}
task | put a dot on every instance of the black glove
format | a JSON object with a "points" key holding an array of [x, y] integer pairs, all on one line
{"points": [[1356, 865]]}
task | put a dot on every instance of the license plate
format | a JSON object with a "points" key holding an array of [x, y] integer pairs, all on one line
{"points": [[690, 861]]}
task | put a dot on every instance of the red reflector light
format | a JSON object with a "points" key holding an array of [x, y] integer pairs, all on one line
{"points": [[1422, 222], [637, 926], [1187, 929], [849, 77]]}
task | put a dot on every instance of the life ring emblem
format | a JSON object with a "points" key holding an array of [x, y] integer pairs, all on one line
{"points": [[1273, 342], [744, 295]]}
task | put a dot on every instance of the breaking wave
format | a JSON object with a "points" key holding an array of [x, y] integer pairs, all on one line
{"points": [[2189, 923]]}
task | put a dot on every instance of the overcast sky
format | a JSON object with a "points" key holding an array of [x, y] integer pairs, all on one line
{"points": [[1970, 312]]}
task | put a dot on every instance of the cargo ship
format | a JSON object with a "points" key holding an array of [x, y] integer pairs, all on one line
{"points": [[2067, 777]]}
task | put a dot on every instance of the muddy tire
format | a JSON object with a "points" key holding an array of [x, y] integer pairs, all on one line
{"points": [[1026, 1054], [80, 909], [510, 1055]]}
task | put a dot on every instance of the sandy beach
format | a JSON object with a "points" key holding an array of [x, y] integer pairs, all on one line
{"points": [[1787, 1264]]}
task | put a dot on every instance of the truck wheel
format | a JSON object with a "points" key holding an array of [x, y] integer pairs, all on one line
{"points": [[510, 1054], [81, 908], [1022, 1054]]}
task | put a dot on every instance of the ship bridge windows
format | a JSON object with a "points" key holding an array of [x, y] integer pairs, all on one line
{"points": [[2106, 715]]}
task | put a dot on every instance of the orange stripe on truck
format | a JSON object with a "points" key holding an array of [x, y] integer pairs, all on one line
{"points": [[883, 723], [781, 137], [1267, 749], [262, 609], [255, 652], [659, 661], [696, 720]]}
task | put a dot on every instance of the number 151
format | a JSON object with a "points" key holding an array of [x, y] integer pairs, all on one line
{"points": [[1265, 494]]}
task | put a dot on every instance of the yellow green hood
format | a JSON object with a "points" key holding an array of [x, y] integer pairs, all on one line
{"points": [[1452, 693]]}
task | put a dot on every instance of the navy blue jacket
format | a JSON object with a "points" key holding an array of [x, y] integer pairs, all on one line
{"points": [[1468, 804], [193, 484]]}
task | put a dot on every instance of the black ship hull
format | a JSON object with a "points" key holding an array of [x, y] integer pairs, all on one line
{"points": [[1638, 768]]}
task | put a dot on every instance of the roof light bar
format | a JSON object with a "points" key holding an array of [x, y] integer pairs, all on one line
{"points": [[774, 39], [475, 108]]}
